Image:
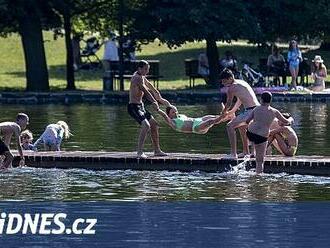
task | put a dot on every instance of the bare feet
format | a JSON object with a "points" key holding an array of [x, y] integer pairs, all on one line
{"points": [[141, 155], [160, 153]]}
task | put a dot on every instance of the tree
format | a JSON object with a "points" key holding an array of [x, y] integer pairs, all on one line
{"points": [[180, 21], [25, 18]]}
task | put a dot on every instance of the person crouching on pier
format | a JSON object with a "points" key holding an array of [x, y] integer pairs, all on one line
{"points": [[283, 138], [185, 124], [258, 130], [53, 135], [7, 130]]}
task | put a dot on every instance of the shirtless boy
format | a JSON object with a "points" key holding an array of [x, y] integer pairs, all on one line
{"points": [[245, 96], [258, 130], [139, 87], [7, 130]]}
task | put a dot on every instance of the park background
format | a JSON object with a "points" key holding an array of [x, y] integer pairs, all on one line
{"points": [[36, 54]]}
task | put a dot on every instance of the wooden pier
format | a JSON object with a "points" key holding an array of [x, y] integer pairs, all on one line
{"points": [[94, 160]]}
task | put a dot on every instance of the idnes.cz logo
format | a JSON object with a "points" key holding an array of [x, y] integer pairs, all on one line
{"points": [[44, 223]]}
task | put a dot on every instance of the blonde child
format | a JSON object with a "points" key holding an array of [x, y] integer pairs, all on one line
{"points": [[26, 138], [53, 135]]}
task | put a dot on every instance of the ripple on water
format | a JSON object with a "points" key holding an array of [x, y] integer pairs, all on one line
{"points": [[238, 186]]}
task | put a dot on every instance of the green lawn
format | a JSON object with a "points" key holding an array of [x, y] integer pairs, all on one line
{"points": [[12, 76]]}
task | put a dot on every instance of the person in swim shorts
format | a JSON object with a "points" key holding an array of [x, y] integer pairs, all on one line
{"points": [[283, 138], [140, 87], [9, 129], [185, 124], [260, 120], [245, 96]]}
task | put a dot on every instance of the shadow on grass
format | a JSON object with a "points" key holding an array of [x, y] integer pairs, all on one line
{"points": [[171, 63]]}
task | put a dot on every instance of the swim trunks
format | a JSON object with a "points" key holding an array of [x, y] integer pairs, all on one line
{"points": [[255, 138], [3, 147], [138, 112]]}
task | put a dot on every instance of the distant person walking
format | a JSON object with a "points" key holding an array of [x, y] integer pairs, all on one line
{"points": [[110, 52], [294, 59]]}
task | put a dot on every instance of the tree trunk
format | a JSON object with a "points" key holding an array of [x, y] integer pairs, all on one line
{"points": [[213, 59], [34, 53], [69, 52]]}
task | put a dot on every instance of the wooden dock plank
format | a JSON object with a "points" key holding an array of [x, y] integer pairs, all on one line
{"points": [[101, 160]]}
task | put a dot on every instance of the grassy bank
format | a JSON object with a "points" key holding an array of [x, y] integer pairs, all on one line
{"points": [[12, 70]]}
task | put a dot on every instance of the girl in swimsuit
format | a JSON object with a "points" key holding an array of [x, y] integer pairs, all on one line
{"points": [[284, 138], [53, 135], [185, 124]]}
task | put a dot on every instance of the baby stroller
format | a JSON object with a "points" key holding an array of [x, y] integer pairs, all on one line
{"points": [[252, 77], [89, 59]]}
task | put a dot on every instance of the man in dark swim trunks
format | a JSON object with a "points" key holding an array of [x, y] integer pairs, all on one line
{"points": [[246, 97], [139, 87], [7, 130], [258, 130]]}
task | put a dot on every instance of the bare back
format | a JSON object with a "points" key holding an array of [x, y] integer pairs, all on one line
{"points": [[243, 91], [135, 92], [7, 130], [263, 117]]}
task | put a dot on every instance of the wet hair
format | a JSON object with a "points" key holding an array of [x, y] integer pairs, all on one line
{"points": [[66, 128], [266, 97], [26, 134], [168, 109], [21, 116], [142, 63], [226, 74]]}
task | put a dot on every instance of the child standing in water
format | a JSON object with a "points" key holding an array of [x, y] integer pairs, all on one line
{"points": [[53, 135], [185, 124]]}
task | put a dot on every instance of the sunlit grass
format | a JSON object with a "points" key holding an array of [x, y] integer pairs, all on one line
{"points": [[12, 69]]}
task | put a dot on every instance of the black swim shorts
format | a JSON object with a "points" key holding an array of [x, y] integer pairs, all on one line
{"points": [[255, 138], [3, 147], [138, 112]]}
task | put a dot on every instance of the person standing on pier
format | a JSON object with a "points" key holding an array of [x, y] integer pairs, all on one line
{"points": [[260, 121], [245, 96], [7, 130], [140, 86]]}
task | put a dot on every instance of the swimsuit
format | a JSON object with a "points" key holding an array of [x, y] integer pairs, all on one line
{"points": [[138, 112], [180, 120], [255, 138], [293, 148]]}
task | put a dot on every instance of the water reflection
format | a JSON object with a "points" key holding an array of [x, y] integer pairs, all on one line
{"points": [[55, 184], [109, 128]]}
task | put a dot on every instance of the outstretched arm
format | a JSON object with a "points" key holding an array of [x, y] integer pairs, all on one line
{"points": [[19, 146], [166, 118], [147, 93], [156, 94], [281, 118]]}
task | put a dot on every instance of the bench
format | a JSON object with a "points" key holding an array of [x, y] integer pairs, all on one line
{"points": [[304, 71], [129, 67], [191, 69]]}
